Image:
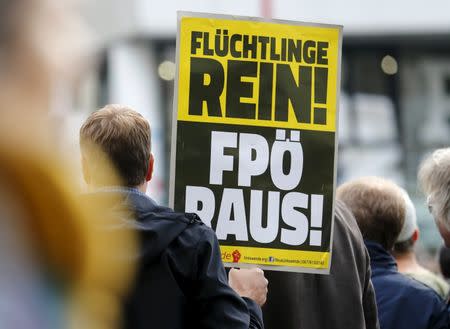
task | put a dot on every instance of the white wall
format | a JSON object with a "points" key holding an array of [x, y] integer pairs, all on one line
{"points": [[155, 18], [357, 16], [371, 17], [160, 17]]}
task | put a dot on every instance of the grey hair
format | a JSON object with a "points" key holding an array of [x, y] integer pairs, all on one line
{"points": [[434, 180]]}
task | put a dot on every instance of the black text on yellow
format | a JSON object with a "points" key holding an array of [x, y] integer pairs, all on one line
{"points": [[279, 85]]}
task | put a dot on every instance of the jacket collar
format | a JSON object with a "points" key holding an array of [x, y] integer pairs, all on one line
{"points": [[380, 258], [135, 199]]}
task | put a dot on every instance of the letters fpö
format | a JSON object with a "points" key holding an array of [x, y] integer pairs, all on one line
{"points": [[255, 158]]}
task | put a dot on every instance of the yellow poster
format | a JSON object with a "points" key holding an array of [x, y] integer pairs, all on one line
{"points": [[254, 139]]}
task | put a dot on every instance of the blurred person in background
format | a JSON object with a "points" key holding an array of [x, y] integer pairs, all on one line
{"points": [[434, 179], [406, 258], [59, 265], [343, 299], [379, 208], [56, 266], [181, 281]]}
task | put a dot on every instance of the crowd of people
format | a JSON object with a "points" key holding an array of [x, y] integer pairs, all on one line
{"points": [[179, 259], [180, 267], [114, 258]]}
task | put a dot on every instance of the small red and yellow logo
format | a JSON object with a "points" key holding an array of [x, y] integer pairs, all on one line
{"points": [[236, 256]]}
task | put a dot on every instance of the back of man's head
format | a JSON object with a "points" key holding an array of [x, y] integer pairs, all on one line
{"points": [[123, 136], [378, 206]]}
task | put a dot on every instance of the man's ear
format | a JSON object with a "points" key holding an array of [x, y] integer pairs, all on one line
{"points": [[415, 235], [150, 168], [85, 170]]}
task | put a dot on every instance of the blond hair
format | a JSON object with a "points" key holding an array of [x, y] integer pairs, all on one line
{"points": [[434, 179], [124, 136], [378, 206]]}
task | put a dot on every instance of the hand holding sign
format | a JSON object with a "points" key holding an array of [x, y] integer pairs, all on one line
{"points": [[250, 283]]}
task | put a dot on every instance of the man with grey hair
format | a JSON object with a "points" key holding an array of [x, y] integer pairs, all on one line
{"points": [[434, 179], [405, 255]]}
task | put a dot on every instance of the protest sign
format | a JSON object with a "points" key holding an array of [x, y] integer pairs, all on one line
{"points": [[254, 137]]}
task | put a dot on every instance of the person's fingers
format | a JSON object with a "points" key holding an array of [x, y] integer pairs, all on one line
{"points": [[263, 300], [258, 270]]}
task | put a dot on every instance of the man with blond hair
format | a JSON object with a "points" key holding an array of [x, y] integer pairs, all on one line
{"points": [[379, 209], [181, 281]]}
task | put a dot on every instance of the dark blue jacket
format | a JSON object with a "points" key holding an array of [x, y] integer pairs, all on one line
{"points": [[403, 303], [181, 281]]}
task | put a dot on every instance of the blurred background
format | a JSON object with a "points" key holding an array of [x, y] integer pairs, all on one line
{"points": [[395, 83]]}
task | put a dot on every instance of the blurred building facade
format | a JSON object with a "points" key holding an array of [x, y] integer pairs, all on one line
{"points": [[395, 96]]}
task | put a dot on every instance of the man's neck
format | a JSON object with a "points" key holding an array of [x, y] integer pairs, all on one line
{"points": [[142, 187], [407, 262]]}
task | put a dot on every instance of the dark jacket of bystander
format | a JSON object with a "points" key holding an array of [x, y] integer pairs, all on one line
{"points": [[344, 299], [403, 303], [181, 282]]}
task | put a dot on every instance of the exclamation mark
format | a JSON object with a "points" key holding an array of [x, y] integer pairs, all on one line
{"points": [[315, 235], [320, 95]]}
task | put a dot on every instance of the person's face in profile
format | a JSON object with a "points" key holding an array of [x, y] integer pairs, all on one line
{"points": [[445, 233]]}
